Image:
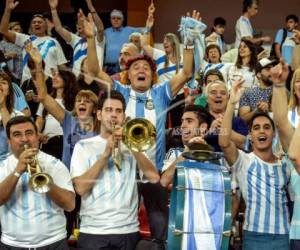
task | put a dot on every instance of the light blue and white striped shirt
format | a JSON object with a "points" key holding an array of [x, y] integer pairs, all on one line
{"points": [[111, 205], [243, 28], [264, 188], [164, 74], [79, 46], [161, 96], [29, 219]]}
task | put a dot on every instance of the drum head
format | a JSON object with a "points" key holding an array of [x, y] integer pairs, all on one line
{"points": [[201, 155]]}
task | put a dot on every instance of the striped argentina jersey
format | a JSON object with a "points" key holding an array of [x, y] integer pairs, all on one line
{"points": [[264, 188], [161, 96], [164, 74], [111, 205], [49, 48], [30, 219], [79, 46]]}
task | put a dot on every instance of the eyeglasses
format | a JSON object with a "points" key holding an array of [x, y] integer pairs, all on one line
{"points": [[116, 17]]}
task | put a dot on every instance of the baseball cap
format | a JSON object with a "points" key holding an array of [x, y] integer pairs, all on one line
{"points": [[265, 62]]}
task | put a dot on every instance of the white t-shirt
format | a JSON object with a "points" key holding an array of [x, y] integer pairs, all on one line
{"points": [[111, 205], [52, 126], [249, 76], [243, 28], [79, 46], [49, 48], [30, 219]]}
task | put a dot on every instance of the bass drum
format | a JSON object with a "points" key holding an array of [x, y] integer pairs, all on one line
{"points": [[200, 208]]}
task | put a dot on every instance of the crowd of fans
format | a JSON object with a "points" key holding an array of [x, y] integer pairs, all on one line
{"points": [[199, 90]]}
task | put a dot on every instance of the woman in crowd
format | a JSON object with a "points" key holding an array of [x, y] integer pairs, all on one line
{"points": [[7, 111], [29, 89], [245, 65], [294, 102], [86, 81], [64, 90]]}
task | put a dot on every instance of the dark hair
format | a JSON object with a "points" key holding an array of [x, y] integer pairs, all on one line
{"points": [[70, 88], [219, 21], [113, 94], [293, 17], [18, 120], [213, 46], [10, 97], [202, 114], [214, 72], [253, 56], [248, 3], [259, 114]]}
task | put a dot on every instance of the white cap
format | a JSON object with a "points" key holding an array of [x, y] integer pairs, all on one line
{"points": [[264, 62], [117, 13]]}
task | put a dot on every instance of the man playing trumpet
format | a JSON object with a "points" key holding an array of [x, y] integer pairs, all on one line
{"points": [[109, 199], [30, 219]]}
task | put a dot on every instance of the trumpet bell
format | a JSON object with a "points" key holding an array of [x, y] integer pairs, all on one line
{"points": [[139, 134], [40, 182]]}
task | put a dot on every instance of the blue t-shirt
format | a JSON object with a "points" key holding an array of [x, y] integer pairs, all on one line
{"points": [[287, 46], [72, 134], [160, 95], [114, 39]]}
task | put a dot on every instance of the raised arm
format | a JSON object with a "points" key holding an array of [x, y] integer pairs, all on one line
{"points": [[146, 37], [178, 81], [191, 28], [92, 59], [64, 33], [97, 20], [279, 74], [228, 146], [48, 101], [8, 34]]}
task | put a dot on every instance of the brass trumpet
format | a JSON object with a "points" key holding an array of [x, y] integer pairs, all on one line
{"points": [[139, 135], [39, 182]]}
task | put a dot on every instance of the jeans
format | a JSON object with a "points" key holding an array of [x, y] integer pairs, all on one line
{"points": [[264, 241]]}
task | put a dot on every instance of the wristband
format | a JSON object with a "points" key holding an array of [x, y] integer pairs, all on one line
{"points": [[93, 12], [146, 30], [18, 175], [189, 47], [279, 85]]}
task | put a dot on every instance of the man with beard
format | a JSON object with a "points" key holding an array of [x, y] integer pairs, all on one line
{"points": [[258, 98]]}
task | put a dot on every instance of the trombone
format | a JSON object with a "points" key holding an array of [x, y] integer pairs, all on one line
{"points": [[39, 182], [139, 135]]}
